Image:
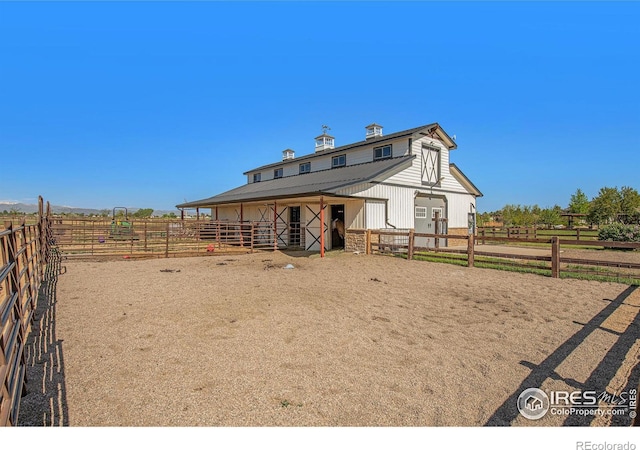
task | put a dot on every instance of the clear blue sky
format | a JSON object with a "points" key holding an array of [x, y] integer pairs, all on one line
{"points": [[151, 104]]}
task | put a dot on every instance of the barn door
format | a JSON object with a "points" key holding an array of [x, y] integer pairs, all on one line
{"points": [[313, 227], [425, 209]]}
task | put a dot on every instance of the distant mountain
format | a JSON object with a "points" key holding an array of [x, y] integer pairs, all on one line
{"points": [[57, 209]]}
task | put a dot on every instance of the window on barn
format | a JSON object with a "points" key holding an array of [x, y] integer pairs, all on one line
{"points": [[438, 210], [382, 152], [305, 167], [430, 165], [277, 173], [339, 161], [257, 177], [421, 212]]}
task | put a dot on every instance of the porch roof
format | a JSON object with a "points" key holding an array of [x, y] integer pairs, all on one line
{"points": [[323, 182]]}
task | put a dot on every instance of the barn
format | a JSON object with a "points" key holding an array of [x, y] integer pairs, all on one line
{"points": [[403, 180]]}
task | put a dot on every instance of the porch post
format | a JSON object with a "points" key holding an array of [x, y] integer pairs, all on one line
{"points": [[321, 227], [216, 213], [275, 225], [197, 213]]}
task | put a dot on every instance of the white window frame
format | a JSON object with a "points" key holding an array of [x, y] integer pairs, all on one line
{"points": [[382, 151], [433, 212], [257, 177], [337, 158], [308, 167], [278, 173], [421, 212], [430, 165]]}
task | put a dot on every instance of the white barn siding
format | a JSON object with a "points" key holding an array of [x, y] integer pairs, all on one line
{"points": [[375, 214], [354, 214], [458, 206]]}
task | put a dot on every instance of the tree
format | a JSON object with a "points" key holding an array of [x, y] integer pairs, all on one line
{"points": [[605, 207], [579, 203], [550, 216], [143, 212], [629, 205], [169, 216]]}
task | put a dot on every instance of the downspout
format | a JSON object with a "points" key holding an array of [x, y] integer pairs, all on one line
{"points": [[386, 214]]}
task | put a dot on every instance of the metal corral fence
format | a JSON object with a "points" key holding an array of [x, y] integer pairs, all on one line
{"points": [[165, 238], [24, 251], [411, 245]]}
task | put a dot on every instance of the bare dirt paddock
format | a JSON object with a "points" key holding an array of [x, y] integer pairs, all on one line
{"points": [[343, 341]]}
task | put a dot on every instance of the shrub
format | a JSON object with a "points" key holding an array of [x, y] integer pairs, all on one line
{"points": [[619, 232]]}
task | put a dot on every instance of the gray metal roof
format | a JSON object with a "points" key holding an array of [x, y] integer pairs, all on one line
{"points": [[322, 182], [370, 141]]}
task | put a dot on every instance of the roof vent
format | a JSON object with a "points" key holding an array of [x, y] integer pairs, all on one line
{"points": [[288, 154], [324, 141], [374, 130]]}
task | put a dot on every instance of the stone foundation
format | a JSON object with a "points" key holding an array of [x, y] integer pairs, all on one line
{"points": [[355, 240]]}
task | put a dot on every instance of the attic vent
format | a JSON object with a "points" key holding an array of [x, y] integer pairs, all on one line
{"points": [[288, 154], [373, 130], [324, 141]]}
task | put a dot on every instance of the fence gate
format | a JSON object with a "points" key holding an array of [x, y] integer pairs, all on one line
{"points": [[424, 213], [313, 228]]}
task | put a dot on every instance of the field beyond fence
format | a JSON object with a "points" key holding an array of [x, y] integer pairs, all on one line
{"points": [[551, 256]]}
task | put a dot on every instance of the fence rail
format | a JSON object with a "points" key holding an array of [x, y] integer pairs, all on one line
{"points": [[403, 243], [24, 250], [165, 238]]}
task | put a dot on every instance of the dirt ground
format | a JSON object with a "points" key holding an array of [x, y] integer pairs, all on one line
{"points": [[348, 340]]}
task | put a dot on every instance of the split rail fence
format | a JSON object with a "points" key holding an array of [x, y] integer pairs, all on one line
{"points": [[24, 251], [508, 257]]}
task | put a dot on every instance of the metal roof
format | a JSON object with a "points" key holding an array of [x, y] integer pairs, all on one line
{"points": [[370, 141], [322, 182]]}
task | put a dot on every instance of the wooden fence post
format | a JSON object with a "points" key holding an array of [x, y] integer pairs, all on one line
{"points": [[367, 244], [253, 231], [483, 241], [166, 241], [410, 249], [470, 250], [577, 234], [555, 257], [437, 229]]}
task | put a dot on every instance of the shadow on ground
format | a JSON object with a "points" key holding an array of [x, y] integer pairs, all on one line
{"points": [[45, 402], [597, 381]]}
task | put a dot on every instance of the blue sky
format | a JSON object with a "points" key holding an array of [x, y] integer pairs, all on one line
{"points": [[146, 104]]}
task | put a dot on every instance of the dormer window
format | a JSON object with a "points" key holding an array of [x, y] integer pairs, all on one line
{"points": [[257, 177], [339, 161], [382, 152], [277, 173], [305, 167]]}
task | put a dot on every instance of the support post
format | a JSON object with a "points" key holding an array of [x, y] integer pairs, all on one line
{"points": [[483, 241], [437, 228], [321, 227], [555, 257], [166, 241], [411, 241], [368, 242], [470, 250], [197, 213], [275, 225], [216, 213], [182, 214], [241, 222]]}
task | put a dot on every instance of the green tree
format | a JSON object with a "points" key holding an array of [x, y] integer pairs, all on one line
{"points": [[579, 203], [605, 207], [629, 205], [169, 216], [550, 216], [143, 212]]}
